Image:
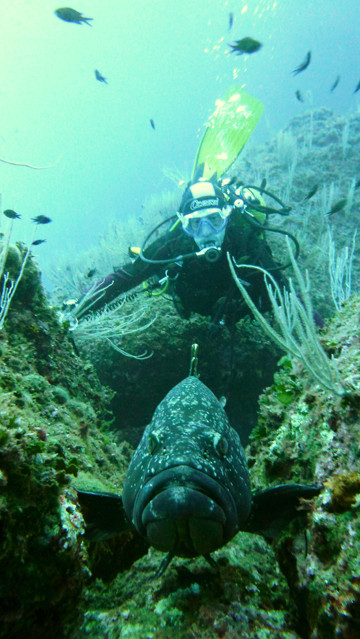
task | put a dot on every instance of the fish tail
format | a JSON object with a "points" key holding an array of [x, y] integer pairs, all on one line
{"points": [[86, 20]]}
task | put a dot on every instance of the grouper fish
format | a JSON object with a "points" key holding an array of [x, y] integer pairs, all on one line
{"points": [[187, 490]]}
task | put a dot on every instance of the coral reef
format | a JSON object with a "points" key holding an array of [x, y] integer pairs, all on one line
{"points": [[316, 149], [314, 436], [51, 406], [246, 596]]}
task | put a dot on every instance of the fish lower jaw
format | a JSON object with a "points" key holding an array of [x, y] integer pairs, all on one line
{"points": [[184, 511], [185, 522]]}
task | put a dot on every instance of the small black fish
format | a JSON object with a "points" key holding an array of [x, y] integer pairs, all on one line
{"points": [[152, 123], [91, 272], [357, 87], [311, 193], [100, 77], [304, 65], [357, 184], [41, 219], [338, 206], [299, 96], [70, 15], [334, 85], [12, 214], [231, 20], [246, 45], [37, 242], [187, 489]]}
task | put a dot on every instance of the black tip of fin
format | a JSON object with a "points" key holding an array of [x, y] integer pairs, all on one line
{"points": [[273, 508], [198, 173]]}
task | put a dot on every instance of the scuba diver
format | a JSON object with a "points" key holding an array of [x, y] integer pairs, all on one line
{"points": [[188, 260], [185, 256]]}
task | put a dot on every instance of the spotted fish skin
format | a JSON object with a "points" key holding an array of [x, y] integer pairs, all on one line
{"points": [[187, 490]]}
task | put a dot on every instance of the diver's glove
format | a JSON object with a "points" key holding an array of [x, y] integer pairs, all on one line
{"points": [[68, 314], [74, 310]]}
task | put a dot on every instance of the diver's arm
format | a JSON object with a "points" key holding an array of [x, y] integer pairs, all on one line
{"points": [[130, 275], [122, 280]]}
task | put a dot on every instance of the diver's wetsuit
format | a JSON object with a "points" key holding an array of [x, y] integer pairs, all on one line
{"points": [[203, 287]]}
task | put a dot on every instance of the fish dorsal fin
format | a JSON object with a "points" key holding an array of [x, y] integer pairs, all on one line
{"points": [[194, 360]]}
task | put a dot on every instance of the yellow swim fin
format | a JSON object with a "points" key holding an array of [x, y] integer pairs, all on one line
{"points": [[227, 131]]}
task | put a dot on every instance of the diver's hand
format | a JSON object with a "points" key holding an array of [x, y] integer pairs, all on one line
{"points": [[68, 314]]}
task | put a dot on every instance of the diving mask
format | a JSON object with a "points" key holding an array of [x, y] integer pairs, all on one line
{"points": [[206, 226]]}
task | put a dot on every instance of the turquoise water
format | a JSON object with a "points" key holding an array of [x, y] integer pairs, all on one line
{"points": [[167, 61]]}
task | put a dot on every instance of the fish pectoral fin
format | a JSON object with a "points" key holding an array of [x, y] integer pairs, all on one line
{"points": [[274, 508], [107, 525], [104, 514]]}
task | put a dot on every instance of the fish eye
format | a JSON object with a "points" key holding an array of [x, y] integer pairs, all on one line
{"points": [[220, 444], [153, 443]]}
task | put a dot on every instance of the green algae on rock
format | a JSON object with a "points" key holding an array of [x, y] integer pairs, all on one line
{"points": [[317, 437], [43, 558]]}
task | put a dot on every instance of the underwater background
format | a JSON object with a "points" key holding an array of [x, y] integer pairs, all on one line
{"points": [[104, 163], [164, 61]]}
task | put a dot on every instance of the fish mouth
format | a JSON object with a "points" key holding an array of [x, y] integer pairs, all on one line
{"points": [[185, 511]]}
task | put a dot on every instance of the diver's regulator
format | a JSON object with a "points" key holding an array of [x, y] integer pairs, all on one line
{"points": [[211, 253]]}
